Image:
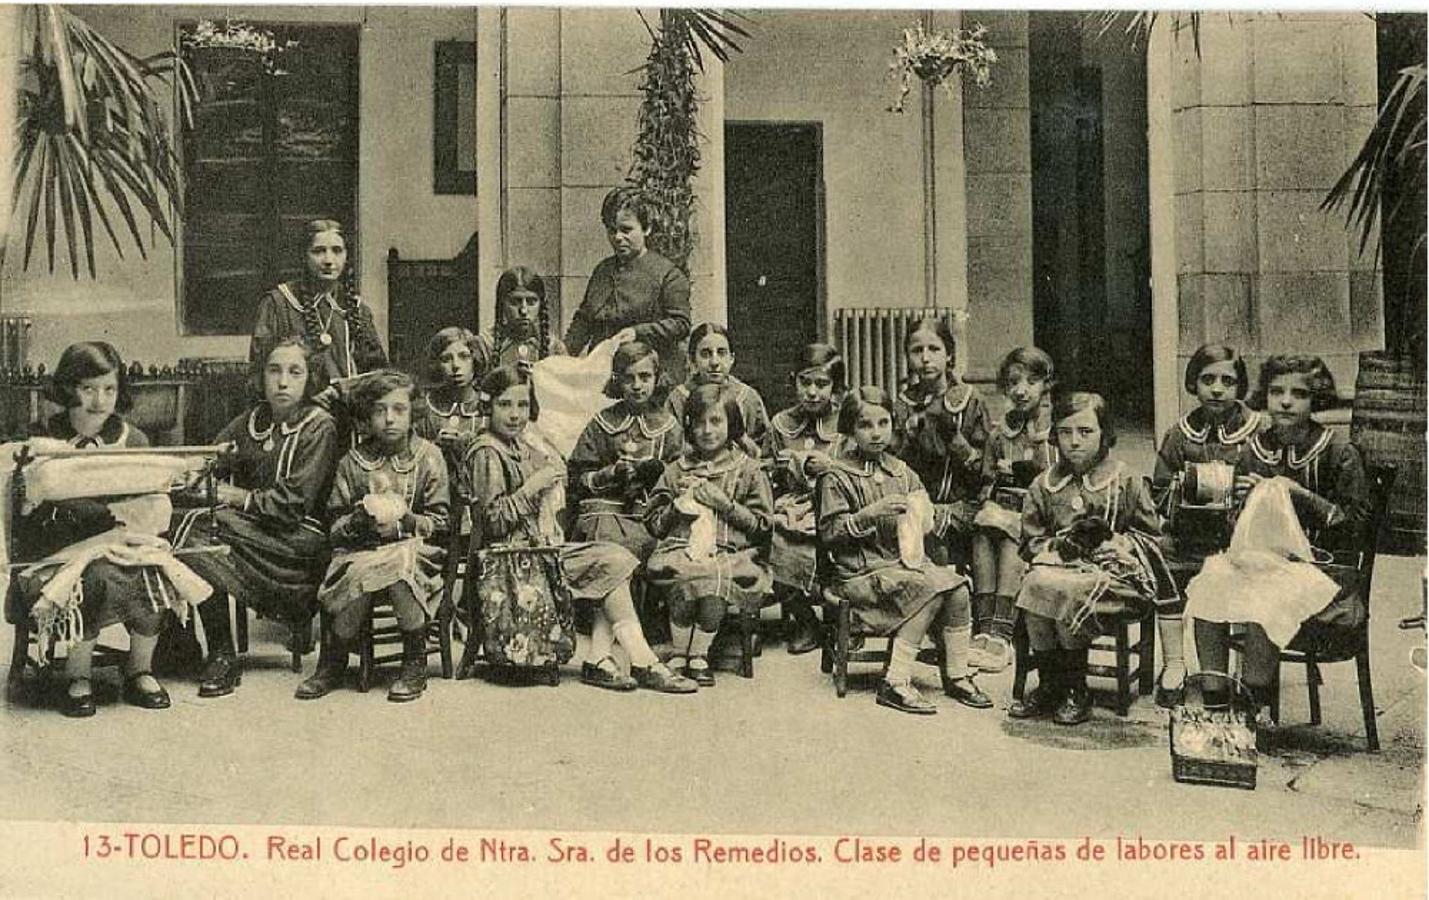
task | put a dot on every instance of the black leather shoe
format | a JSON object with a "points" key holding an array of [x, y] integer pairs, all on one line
{"points": [[904, 698], [220, 675], [1038, 703], [135, 696], [327, 678], [81, 707], [966, 692], [1076, 708]]}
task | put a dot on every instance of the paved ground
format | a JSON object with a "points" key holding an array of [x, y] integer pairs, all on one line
{"points": [[779, 754]]}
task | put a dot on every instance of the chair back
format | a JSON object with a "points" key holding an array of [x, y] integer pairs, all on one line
{"points": [[1360, 567]]}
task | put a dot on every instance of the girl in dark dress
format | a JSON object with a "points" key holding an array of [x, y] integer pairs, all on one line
{"points": [[517, 483], [1331, 498], [711, 509], [1091, 533], [281, 468], [711, 362], [522, 333], [941, 428], [388, 507], [801, 444], [1219, 429], [449, 414], [91, 385], [1018, 450], [322, 308], [861, 500], [636, 288], [622, 453]]}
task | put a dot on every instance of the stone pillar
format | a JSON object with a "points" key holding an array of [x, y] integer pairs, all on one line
{"points": [[491, 198], [998, 163], [1264, 121], [569, 114]]}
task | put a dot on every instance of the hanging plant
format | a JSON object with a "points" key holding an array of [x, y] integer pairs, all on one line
{"points": [[667, 143], [934, 57], [240, 37]]}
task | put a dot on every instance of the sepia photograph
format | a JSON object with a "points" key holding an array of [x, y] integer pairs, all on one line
{"points": [[604, 450]]}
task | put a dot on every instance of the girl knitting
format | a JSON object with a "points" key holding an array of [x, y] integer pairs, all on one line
{"points": [[1325, 478], [522, 333], [1090, 531], [623, 451], [941, 426], [117, 586], [872, 509], [711, 361], [711, 511], [801, 444], [1018, 450], [449, 414], [1218, 430], [281, 468], [516, 494], [388, 509]]}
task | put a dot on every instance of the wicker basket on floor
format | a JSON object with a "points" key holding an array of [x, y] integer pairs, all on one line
{"points": [[1213, 746]]}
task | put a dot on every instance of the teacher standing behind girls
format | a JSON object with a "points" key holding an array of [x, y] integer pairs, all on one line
{"points": [[636, 288]]}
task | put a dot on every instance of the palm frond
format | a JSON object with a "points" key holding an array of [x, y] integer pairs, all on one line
{"points": [[1139, 25], [94, 123], [713, 30], [1393, 153]]}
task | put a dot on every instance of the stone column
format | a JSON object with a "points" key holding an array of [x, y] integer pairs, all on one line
{"points": [[1264, 121], [570, 105], [998, 162]]}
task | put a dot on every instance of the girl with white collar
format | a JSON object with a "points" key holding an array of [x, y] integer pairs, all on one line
{"points": [[1090, 531]]}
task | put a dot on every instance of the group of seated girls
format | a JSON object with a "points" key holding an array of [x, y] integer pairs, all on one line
{"points": [[884, 501]]}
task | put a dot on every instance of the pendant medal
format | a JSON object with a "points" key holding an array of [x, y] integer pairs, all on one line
{"points": [[454, 422], [808, 443], [325, 339], [268, 444], [878, 478], [629, 449], [1078, 505]]}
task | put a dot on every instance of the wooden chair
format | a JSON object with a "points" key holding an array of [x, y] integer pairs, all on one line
{"points": [[1354, 571], [300, 630], [745, 624], [30, 651], [1139, 676]]}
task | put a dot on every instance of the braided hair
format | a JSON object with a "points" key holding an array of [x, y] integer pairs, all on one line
{"points": [[360, 327], [520, 278]]}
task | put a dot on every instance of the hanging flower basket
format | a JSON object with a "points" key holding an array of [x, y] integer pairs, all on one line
{"points": [[236, 39], [933, 57]]}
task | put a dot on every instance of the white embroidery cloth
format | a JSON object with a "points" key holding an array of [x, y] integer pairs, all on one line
{"points": [[703, 529], [912, 525], [1263, 577], [569, 390]]}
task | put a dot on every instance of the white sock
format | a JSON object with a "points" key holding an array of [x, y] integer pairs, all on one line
{"points": [[601, 638], [1173, 661], [680, 639], [630, 636], [901, 656], [956, 639], [700, 644]]}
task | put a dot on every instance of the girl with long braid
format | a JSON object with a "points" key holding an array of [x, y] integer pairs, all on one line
{"points": [[522, 333]]}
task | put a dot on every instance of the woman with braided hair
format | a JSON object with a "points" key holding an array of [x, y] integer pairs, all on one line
{"points": [[321, 308]]}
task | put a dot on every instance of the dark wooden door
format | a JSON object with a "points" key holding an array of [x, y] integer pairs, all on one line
{"points": [[774, 267]]}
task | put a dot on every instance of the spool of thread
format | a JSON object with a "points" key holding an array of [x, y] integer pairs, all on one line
{"points": [[1209, 483]]}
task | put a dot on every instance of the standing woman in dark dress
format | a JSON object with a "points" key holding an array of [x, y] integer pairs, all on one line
{"points": [[636, 288], [323, 309], [281, 469]]}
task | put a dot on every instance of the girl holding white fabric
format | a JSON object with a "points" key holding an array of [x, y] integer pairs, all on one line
{"points": [[711, 509], [1325, 480], [91, 385], [891, 588]]}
